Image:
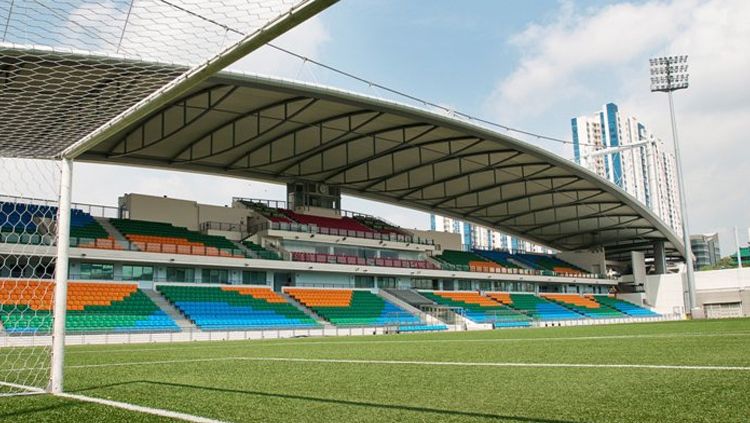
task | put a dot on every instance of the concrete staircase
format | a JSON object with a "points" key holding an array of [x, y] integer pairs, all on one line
{"points": [[424, 317], [306, 310], [176, 315], [114, 233]]}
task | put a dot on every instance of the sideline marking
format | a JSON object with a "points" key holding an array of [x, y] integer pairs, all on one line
{"points": [[424, 363], [141, 409]]}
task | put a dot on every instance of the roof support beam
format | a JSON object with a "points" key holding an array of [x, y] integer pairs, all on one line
{"points": [[601, 229], [319, 124], [600, 214], [487, 168], [522, 178], [454, 155], [160, 115], [576, 202], [521, 197], [235, 144]]}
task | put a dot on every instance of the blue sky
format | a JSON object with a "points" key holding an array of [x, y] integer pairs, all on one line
{"points": [[530, 64]]}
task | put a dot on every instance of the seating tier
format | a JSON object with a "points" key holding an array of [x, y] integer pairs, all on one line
{"points": [[181, 240], [343, 223], [26, 307], [500, 257], [346, 307], [235, 307], [535, 307], [260, 251], [547, 263], [361, 261], [625, 307], [584, 305], [478, 308]]}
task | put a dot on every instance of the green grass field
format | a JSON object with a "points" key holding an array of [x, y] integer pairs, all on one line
{"points": [[254, 381]]}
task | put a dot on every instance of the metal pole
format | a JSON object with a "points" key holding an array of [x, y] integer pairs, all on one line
{"points": [[61, 278], [683, 210], [739, 251]]}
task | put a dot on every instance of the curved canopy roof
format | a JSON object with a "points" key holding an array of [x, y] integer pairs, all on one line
{"points": [[280, 131]]}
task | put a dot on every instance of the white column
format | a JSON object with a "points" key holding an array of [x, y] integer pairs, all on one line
{"points": [[61, 278]]}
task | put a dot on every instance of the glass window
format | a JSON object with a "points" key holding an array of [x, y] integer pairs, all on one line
{"points": [[464, 285], [98, 271], [388, 254], [385, 282], [421, 283], [364, 282], [250, 277], [180, 274], [137, 273], [215, 276]]}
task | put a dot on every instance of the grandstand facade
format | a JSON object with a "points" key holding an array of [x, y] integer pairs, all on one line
{"points": [[157, 264]]}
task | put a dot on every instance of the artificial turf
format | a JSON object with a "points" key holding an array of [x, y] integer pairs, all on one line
{"points": [[210, 379]]}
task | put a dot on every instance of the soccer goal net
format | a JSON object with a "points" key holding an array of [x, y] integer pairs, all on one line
{"points": [[71, 72], [28, 233]]}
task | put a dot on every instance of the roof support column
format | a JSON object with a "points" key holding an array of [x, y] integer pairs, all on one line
{"points": [[660, 257]]}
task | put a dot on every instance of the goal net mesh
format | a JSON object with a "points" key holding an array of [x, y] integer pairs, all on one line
{"points": [[27, 265], [69, 68]]}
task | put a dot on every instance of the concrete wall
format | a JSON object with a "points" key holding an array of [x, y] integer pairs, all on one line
{"points": [[162, 209], [210, 213], [722, 279], [586, 260], [665, 293], [189, 214], [445, 240], [324, 280]]}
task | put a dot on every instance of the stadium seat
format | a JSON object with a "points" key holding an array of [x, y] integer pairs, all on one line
{"points": [[235, 307], [22, 218], [161, 237], [260, 251], [535, 307], [470, 262], [479, 309], [342, 224], [548, 263], [346, 307], [361, 261], [26, 307], [584, 305], [625, 307], [500, 257]]}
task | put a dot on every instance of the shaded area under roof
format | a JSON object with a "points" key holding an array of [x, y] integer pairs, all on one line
{"points": [[280, 131]]}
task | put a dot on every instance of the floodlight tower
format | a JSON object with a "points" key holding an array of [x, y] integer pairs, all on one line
{"points": [[669, 74]]}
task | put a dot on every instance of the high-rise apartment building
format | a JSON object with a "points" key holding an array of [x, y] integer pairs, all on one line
{"points": [[621, 149], [478, 237], [706, 249]]}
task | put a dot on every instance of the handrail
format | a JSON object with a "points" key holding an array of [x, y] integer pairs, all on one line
{"points": [[314, 229], [96, 210]]}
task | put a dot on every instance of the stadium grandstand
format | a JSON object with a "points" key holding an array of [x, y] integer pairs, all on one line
{"points": [[76, 279]]}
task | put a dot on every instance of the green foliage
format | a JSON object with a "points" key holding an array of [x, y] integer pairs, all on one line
{"points": [[729, 262]]}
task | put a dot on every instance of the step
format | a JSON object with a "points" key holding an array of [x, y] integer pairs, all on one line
{"points": [[107, 225], [306, 310], [179, 318], [423, 316]]}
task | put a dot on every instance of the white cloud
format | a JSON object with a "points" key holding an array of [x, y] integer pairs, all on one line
{"points": [[600, 55]]}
